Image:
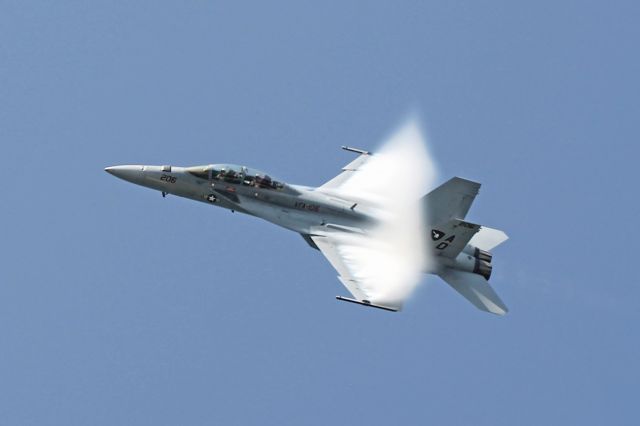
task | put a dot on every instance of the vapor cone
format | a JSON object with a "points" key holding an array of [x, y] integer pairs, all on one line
{"points": [[389, 259]]}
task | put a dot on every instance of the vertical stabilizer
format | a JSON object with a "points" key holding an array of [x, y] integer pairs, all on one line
{"points": [[451, 200]]}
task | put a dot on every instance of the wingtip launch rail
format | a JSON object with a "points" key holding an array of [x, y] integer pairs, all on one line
{"points": [[356, 150], [367, 303]]}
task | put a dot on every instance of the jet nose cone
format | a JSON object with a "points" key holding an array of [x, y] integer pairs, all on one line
{"points": [[130, 173]]}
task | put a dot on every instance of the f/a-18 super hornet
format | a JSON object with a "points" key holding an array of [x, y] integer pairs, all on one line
{"points": [[372, 222]]}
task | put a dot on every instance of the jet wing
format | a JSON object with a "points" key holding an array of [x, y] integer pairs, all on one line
{"points": [[364, 287], [349, 169], [383, 263]]}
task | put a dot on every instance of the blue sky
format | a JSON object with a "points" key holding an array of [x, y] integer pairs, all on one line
{"points": [[120, 307]]}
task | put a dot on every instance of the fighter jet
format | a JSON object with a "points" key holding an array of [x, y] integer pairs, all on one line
{"points": [[377, 254]]}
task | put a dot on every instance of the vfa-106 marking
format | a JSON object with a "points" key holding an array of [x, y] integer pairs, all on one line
{"points": [[327, 220]]}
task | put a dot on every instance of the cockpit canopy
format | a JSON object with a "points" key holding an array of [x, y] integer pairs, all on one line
{"points": [[232, 173]]}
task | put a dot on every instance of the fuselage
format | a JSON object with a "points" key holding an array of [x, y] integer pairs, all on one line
{"points": [[241, 189], [353, 227], [298, 208]]}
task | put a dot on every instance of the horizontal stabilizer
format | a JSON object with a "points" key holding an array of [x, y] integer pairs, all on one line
{"points": [[475, 289], [488, 238]]}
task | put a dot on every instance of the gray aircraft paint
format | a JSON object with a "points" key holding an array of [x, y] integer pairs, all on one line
{"points": [[294, 207], [306, 210]]}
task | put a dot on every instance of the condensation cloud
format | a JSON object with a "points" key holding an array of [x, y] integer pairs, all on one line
{"points": [[389, 260]]}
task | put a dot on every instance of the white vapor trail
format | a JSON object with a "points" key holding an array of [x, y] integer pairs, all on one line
{"points": [[390, 259]]}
